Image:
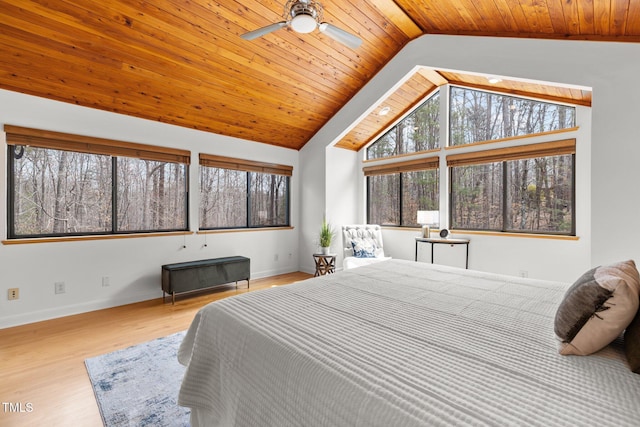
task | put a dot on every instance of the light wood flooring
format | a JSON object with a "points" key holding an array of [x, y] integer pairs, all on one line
{"points": [[43, 363]]}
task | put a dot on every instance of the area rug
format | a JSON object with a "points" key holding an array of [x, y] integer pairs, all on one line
{"points": [[138, 386]]}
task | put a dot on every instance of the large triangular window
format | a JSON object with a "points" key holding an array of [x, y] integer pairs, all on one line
{"points": [[418, 131]]}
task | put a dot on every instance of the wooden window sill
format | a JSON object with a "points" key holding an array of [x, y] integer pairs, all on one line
{"points": [[93, 237], [490, 233]]}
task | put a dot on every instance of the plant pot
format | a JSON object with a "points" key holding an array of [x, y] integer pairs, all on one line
{"points": [[325, 250]]}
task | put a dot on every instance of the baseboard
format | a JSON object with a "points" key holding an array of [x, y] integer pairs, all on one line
{"points": [[72, 309], [85, 307]]}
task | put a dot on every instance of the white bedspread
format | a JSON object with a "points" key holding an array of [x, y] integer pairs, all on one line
{"points": [[398, 343]]}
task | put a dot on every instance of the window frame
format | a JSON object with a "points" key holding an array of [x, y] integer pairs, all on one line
{"points": [[449, 113], [410, 112], [411, 165], [249, 166], [538, 142], [508, 154], [399, 199], [43, 139]]}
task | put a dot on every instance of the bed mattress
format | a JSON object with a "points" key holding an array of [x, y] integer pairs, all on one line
{"points": [[399, 343]]}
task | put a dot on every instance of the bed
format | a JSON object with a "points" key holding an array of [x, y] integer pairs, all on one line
{"points": [[399, 343]]}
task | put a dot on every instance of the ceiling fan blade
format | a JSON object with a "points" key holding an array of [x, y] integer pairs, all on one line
{"points": [[340, 35], [263, 31]]}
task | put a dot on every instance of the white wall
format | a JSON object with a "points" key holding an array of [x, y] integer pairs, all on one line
{"points": [[132, 264], [323, 183], [312, 202], [342, 193], [607, 203]]}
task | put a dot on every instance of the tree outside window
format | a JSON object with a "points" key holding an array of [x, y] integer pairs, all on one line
{"points": [[61, 192], [540, 195], [420, 192], [231, 198], [384, 199], [477, 116], [532, 195], [223, 198], [395, 199], [476, 197], [419, 131], [269, 200], [520, 187], [151, 195]]}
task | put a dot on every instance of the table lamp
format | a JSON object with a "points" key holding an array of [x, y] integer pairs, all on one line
{"points": [[427, 219]]}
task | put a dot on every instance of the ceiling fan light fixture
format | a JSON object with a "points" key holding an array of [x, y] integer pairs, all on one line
{"points": [[303, 23]]}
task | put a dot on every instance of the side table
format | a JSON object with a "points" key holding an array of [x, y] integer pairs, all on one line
{"points": [[443, 242], [325, 264]]}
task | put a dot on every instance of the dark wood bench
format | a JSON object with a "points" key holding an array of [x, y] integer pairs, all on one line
{"points": [[203, 274]]}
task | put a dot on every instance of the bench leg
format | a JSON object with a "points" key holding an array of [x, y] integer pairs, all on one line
{"points": [[248, 286]]}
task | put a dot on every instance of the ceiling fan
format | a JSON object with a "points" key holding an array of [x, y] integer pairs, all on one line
{"points": [[304, 16]]}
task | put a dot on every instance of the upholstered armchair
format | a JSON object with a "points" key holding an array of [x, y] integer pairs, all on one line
{"points": [[362, 245]]}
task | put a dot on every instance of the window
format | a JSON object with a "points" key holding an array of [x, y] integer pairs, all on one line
{"points": [[236, 193], [57, 192], [269, 199], [397, 191], [223, 198], [419, 193], [384, 199], [63, 185], [476, 197], [419, 131], [482, 116], [540, 195], [151, 195], [527, 188]]}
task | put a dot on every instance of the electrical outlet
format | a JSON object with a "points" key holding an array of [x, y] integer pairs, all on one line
{"points": [[59, 287], [106, 281], [14, 293], [524, 273]]}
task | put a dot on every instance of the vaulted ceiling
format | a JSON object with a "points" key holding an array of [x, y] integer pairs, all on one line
{"points": [[183, 62]]}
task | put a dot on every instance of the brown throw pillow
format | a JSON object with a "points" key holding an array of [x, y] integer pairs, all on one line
{"points": [[632, 344], [597, 308]]}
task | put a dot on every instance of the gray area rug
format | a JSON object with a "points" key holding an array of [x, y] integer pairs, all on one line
{"points": [[138, 386]]}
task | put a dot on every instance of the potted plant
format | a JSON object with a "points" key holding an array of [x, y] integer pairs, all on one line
{"points": [[326, 235]]}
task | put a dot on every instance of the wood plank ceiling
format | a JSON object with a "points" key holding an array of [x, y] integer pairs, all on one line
{"points": [[182, 61]]}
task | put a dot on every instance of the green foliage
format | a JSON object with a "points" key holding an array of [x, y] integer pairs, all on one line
{"points": [[326, 234]]}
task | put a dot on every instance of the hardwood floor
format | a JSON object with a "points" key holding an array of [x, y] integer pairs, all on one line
{"points": [[42, 364]]}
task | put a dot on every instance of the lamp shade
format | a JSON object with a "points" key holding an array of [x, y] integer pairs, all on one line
{"points": [[303, 23], [428, 217]]}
